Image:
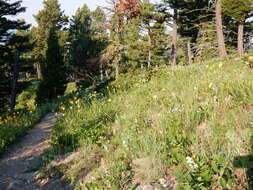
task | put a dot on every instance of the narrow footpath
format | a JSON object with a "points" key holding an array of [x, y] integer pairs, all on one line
{"points": [[18, 164]]}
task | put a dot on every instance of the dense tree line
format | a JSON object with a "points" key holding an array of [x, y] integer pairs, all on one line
{"points": [[90, 46], [13, 45]]}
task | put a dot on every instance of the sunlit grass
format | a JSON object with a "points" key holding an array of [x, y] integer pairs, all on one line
{"points": [[191, 121]]}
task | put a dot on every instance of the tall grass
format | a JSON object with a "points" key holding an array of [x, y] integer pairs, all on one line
{"points": [[191, 122]]}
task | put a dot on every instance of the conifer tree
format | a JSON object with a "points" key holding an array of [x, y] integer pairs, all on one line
{"points": [[88, 39], [133, 45], [147, 15], [159, 40], [188, 17], [113, 54], [99, 34], [167, 6], [80, 36], [8, 10], [53, 70], [18, 46], [239, 11], [50, 15], [145, 39], [206, 45]]}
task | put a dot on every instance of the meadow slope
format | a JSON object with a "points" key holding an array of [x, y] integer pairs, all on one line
{"points": [[182, 128]]}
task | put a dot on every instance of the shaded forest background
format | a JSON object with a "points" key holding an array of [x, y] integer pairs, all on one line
{"points": [[94, 46]]}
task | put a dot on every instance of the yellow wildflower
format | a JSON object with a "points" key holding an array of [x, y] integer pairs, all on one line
{"points": [[250, 58]]}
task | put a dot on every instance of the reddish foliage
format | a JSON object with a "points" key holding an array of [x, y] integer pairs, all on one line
{"points": [[131, 6]]}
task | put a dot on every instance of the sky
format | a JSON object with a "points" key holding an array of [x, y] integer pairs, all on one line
{"points": [[69, 6]]}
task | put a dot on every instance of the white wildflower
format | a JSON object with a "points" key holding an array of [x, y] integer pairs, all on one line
{"points": [[124, 142], [191, 163], [163, 182], [175, 109], [105, 147]]}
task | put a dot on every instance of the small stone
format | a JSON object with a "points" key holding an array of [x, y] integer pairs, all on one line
{"points": [[150, 186], [145, 187]]}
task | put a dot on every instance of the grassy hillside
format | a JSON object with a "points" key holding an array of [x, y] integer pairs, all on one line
{"points": [[190, 126]]}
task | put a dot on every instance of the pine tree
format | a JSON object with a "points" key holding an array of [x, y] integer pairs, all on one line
{"points": [[145, 39], [99, 34], [159, 41], [147, 14], [172, 18], [113, 53], [206, 45], [50, 15], [187, 22], [80, 36], [133, 44], [239, 11], [53, 71], [8, 10], [88, 39], [81, 47], [18, 46]]}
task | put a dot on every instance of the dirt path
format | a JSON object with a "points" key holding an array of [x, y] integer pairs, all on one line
{"points": [[16, 164]]}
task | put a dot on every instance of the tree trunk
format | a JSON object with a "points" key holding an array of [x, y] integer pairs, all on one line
{"points": [[219, 29], [116, 70], [198, 57], [107, 73], [149, 49], [101, 72], [38, 70], [119, 39], [240, 39], [14, 83], [189, 52], [174, 39]]}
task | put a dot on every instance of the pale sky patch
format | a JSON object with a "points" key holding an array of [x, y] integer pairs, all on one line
{"points": [[69, 7]]}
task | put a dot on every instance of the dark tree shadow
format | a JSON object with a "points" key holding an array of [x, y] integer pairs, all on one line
{"points": [[246, 162]]}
